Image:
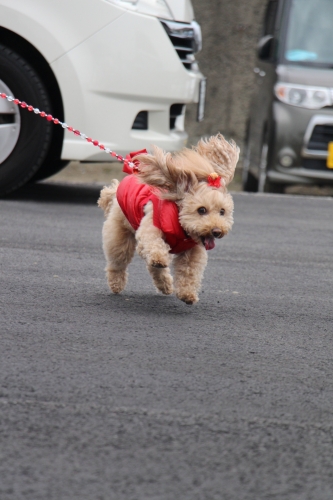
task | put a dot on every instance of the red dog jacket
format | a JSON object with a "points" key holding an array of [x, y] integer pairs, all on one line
{"points": [[132, 197]]}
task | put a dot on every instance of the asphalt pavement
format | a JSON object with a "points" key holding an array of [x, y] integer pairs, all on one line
{"points": [[140, 397]]}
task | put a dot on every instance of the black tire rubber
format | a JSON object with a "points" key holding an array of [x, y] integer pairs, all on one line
{"points": [[270, 187], [264, 184], [249, 181], [274, 187], [250, 184], [50, 166], [52, 163], [36, 133]]}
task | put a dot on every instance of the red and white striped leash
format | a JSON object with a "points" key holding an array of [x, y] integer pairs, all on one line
{"points": [[64, 125]]}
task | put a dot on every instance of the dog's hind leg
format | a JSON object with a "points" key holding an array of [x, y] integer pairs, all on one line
{"points": [[189, 268], [119, 246]]}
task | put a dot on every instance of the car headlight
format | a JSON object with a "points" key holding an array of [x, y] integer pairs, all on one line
{"points": [[303, 96], [157, 8]]}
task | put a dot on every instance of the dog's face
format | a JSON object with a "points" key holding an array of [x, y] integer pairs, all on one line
{"points": [[196, 180], [206, 213]]}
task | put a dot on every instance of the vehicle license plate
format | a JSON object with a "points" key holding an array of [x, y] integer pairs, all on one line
{"points": [[329, 162], [202, 99]]}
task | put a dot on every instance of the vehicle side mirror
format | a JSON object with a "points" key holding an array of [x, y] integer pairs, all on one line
{"points": [[264, 48]]}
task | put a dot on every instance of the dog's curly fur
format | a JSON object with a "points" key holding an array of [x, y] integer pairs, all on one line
{"points": [[181, 178]]}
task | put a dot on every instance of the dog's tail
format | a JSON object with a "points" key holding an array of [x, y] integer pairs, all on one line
{"points": [[107, 196]]}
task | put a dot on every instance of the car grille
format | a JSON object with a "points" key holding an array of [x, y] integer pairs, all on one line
{"points": [[320, 137], [186, 39], [175, 111], [315, 164], [141, 121]]}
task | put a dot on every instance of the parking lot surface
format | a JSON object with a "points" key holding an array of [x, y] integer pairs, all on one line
{"points": [[139, 396]]}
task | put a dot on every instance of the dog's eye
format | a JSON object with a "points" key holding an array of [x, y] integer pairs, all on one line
{"points": [[202, 210], [222, 211]]}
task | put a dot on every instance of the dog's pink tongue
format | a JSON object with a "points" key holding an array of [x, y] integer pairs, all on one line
{"points": [[209, 243]]}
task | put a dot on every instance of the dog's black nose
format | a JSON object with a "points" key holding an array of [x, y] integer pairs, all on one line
{"points": [[217, 233]]}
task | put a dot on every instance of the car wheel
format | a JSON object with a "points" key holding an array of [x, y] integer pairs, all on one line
{"points": [[24, 137], [49, 168], [264, 186], [52, 163], [249, 182]]}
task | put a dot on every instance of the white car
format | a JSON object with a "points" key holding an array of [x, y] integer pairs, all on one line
{"points": [[119, 71]]}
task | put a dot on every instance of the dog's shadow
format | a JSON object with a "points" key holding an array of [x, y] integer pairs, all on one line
{"points": [[141, 299], [146, 304]]}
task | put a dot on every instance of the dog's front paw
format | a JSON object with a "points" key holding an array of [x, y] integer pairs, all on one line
{"points": [[158, 260], [159, 265], [116, 280], [189, 298]]}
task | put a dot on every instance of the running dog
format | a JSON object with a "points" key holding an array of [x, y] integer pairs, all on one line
{"points": [[171, 207]]}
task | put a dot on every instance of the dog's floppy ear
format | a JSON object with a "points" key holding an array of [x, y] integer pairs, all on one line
{"points": [[223, 155], [158, 169], [161, 171]]}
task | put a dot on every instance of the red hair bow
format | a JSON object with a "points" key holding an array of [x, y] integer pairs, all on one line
{"points": [[130, 166], [215, 180]]}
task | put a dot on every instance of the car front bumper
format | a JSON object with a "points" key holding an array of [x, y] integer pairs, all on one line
{"points": [[293, 132], [104, 89]]}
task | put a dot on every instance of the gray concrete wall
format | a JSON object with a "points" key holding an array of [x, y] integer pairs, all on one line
{"points": [[230, 31]]}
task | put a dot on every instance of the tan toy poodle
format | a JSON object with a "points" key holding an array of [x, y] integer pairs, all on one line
{"points": [[171, 205]]}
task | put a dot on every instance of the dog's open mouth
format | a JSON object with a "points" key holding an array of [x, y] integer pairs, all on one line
{"points": [[208, 242]]}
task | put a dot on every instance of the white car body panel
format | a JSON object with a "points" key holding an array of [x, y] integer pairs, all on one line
{"points": [[182, 11], [110, 63], [44, 24]]}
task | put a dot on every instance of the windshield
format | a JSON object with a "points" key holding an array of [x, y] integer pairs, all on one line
{"points": [[310, 33]]}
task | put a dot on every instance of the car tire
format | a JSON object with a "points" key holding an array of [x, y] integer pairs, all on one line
{"points": [[274, 187], [249, 182], [26, 136], [264, 185], [52, 163], [49, 168]]}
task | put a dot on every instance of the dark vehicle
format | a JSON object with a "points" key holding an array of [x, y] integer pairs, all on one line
{"points": [[290, 128]]}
